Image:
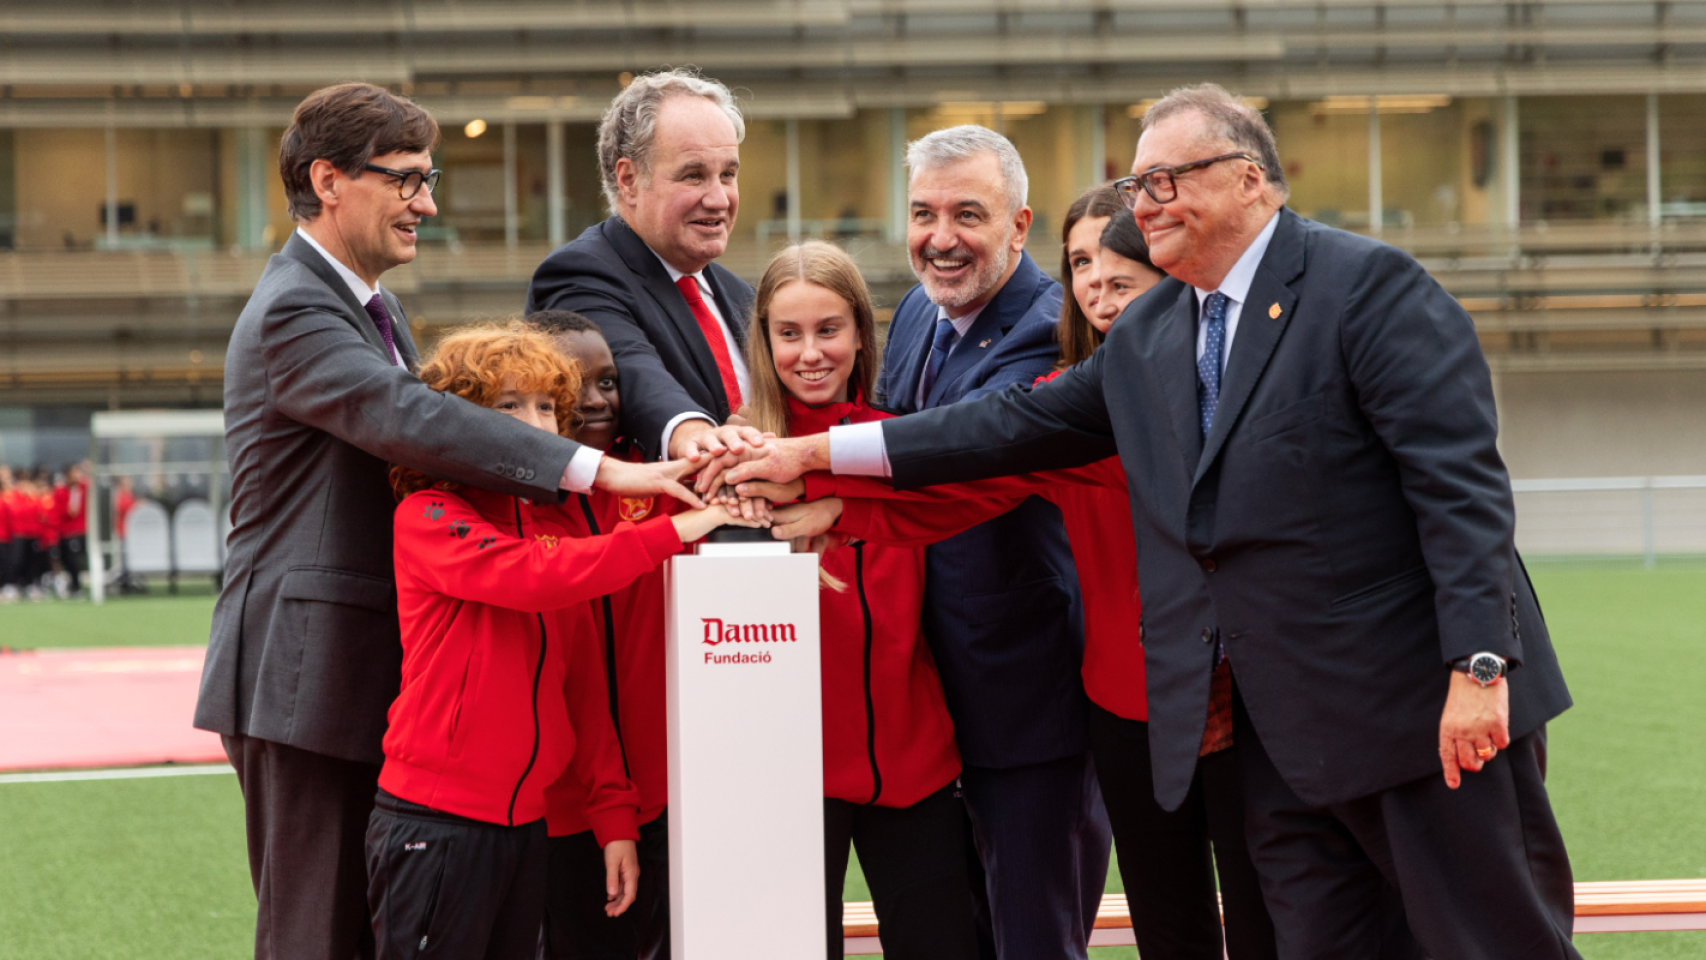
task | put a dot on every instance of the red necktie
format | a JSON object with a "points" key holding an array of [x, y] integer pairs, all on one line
{"points": [[713, 332]]}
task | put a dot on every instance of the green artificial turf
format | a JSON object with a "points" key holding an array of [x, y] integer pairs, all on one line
{"points": [[131, 621], [121, 869], [156, 868]]}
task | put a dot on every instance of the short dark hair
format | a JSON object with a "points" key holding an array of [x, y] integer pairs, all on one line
{"points": [[347, 125], [562, 321]]}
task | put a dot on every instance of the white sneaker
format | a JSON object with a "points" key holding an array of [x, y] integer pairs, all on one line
{"points": [[8, 594]]}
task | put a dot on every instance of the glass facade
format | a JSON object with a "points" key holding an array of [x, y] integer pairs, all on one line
{"points": [[1584, 158], [1580, 159]]}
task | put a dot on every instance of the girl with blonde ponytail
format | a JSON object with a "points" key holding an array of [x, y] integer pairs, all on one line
{"points": [[889, 761]]}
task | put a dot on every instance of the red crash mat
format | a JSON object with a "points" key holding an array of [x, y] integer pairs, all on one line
{"points": [[110, 707]]}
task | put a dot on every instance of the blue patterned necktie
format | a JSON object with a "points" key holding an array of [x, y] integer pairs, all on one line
{"points": [[1209, 364], [939, 348], [382, 320]]}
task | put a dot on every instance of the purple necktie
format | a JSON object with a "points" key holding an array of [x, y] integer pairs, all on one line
{"points": [[382, 320]]}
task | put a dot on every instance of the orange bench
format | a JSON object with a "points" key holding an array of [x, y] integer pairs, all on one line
{"points": [[1618, 906]]}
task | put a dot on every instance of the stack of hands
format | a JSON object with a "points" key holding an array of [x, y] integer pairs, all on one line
{"points": [[750, 476]]}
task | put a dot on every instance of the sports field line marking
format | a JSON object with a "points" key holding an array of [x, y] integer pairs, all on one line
{"points": [[129, 773]]}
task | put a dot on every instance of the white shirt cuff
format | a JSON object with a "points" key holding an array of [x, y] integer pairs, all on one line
{"points": [[676, 421], [858, 450], [582, 470]]}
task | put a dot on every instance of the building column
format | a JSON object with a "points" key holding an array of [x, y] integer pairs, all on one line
{"points": [[1510, 160], [1655, 196], [792, 127], [897, 175], [556, 228], [512, 212], [1376, 202], [112, 182], [1098, 115], [251, 188]]}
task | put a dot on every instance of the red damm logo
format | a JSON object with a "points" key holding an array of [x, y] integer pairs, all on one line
{"points": [[716, 631]]}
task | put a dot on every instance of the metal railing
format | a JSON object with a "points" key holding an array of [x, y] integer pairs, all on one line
{"points": [[1592, 517]]}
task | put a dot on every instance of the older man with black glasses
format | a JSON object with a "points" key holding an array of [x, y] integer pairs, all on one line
{"points": [[1325, 542]]}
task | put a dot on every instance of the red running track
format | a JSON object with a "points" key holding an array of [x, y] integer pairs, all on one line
{"points": [[111, 707]]}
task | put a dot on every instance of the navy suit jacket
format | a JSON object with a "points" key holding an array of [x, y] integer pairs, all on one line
{"points": [[611, 277], [1346, 527], [1001, 606]]}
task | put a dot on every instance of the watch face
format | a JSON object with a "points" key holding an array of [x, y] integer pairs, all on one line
{"points": [[1485, 669]]}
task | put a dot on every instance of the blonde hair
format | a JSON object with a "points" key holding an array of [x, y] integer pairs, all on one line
{"points": [[828, 266], [476, 361], [825, 265]]}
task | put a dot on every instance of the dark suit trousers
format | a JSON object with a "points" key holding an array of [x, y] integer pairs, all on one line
{"points": [[306, 818], [1481, 870], [1042, 835], [576, 927], [1165, 857]]}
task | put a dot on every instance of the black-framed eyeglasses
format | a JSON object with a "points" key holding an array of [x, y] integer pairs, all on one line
{"points": [[1158, 181], [409, 182]]}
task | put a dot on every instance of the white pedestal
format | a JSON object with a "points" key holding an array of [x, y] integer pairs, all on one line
{"points": [[745, 754]]}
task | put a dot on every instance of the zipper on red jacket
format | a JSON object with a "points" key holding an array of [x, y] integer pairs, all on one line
{"points": [[609, 646], [538, 672], [870, 700]]}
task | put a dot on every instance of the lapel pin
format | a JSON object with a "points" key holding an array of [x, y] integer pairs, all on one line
{"points": [[1274, 312], [983, 344]]}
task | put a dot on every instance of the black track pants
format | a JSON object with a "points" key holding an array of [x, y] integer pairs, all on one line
{"points": [[914, 859], [445, 886], [575, 925]]}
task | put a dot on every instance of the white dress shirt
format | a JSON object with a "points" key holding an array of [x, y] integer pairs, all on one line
{"points": [[742, 378], [859, 449], [583, 466]]}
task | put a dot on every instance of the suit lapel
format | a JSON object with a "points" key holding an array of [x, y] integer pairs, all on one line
{"points": [[1266, 312], [663, 291], [400, 332], [911, 352], [355, 311], [1176, 346]]}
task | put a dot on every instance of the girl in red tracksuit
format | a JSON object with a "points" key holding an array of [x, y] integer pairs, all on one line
{"points": [[629, 636], [1164, 856], [499, 694], [890, 764]]}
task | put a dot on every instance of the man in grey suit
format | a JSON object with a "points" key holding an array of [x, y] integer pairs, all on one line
{"points": [[305, 657]]}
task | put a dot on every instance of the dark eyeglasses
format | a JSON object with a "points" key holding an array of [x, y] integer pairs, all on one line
{"points": [[1158, 181], [409, 182]]}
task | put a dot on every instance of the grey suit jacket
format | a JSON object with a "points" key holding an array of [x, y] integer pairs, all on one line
{"points": [[305, 648]]}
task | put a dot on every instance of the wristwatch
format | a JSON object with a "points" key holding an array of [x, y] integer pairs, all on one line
{"points": [[1484, 668]]}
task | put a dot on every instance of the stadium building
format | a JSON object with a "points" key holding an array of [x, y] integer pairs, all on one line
{"points": [[1547, 161]]}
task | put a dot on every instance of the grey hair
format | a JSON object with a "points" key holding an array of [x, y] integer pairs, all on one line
{"points": [[1229, 119], [958, 143], [629, 127]]}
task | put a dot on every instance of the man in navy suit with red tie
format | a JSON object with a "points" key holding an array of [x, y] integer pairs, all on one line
{"points": [[669, 156]]}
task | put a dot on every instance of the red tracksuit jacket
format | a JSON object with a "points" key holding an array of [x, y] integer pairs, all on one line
{"points": [[491, 595], [628, 629], [887, 737], [1096, 506]]}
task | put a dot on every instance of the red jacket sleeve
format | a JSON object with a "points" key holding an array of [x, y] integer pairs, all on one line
{"points": [[456, 552], [873, 510], [611, 801]]}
